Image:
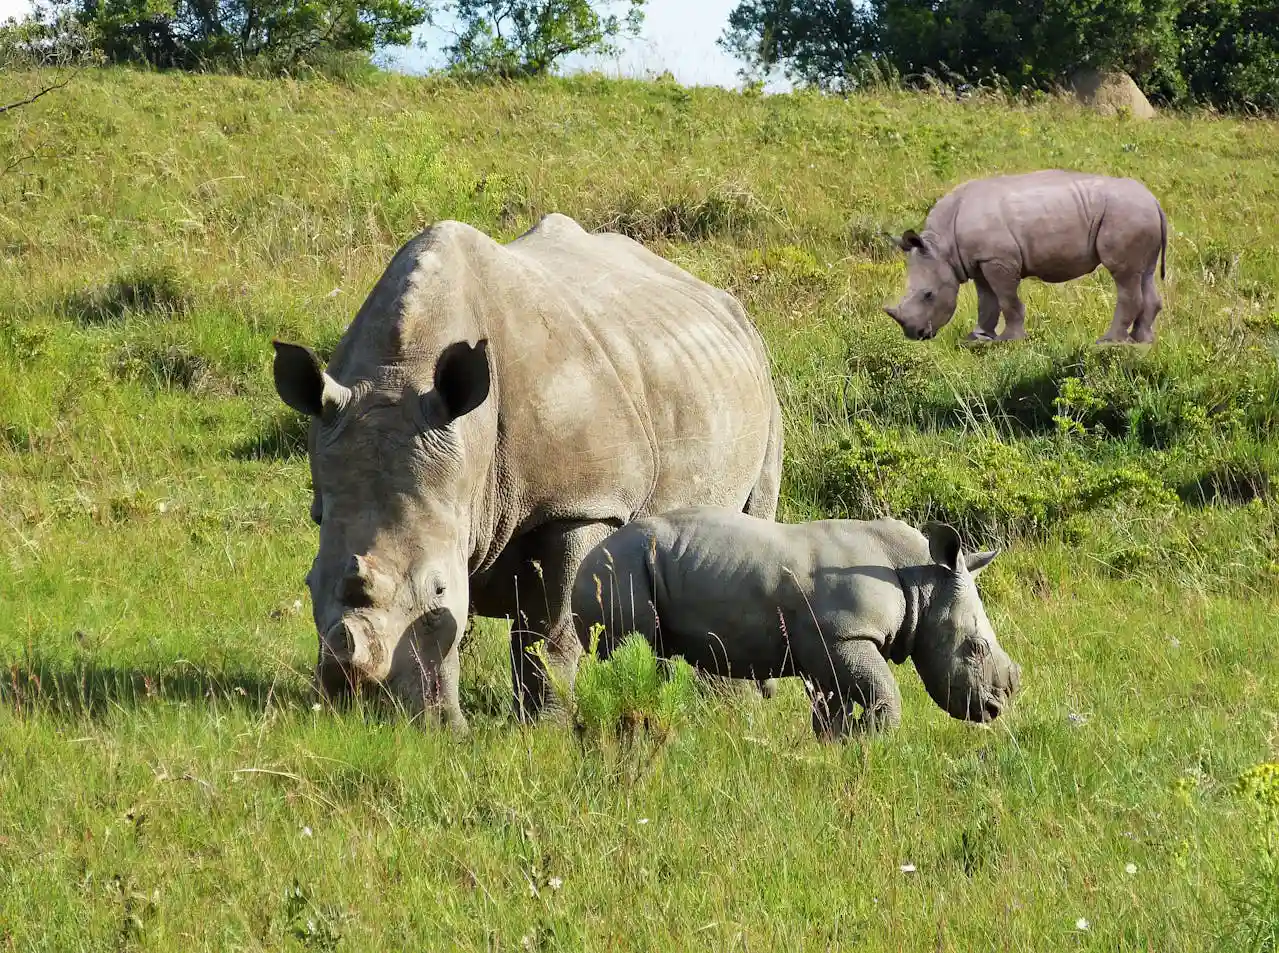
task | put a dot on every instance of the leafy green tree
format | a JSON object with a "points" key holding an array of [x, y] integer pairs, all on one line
{"points": [[1230, 52], [522, 38], [834, 43], [276, 35]]}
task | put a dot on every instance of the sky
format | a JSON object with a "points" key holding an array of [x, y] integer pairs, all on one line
{"points": [[678, 35]]}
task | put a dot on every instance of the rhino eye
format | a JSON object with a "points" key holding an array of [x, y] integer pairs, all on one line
{"points": [[928, 296]]}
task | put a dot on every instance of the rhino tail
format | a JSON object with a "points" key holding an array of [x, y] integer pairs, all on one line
{"points": [[762, 501]]}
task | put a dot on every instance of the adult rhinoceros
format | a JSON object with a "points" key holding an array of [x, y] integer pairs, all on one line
{"points": [[491, 414]]}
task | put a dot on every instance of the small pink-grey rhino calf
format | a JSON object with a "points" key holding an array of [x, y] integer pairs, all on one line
{"points": [[1053, 225]]}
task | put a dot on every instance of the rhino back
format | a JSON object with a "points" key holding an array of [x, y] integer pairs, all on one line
{"points": [[1043, 222], [726, 572], [621, 384], [654, 373]]}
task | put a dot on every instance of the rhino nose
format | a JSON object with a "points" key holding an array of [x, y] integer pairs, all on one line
{"points": [[991, 709]]}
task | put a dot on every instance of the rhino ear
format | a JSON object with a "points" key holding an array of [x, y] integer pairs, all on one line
{"points": [[976, 562], [910, 240], [299, 379], [944, 545], [462, 377], [303, 385]]}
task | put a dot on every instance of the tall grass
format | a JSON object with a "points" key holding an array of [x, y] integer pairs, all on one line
{"points": [[165, 781]]}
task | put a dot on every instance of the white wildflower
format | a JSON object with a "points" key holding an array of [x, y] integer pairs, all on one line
{"points": [[908, 868], [1081, 924], [1131, 869], [555, 883], [306, 832]]}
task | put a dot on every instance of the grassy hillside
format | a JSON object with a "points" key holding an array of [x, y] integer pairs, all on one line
{"points": [[165, 782]]}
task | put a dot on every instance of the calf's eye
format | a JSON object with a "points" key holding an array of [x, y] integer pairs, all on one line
{"points": [[928, 296]]}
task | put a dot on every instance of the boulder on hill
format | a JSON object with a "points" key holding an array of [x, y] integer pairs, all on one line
{"points": [[1111, 93]]}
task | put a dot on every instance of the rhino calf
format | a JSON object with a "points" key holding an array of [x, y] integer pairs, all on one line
{"points": [[1052, 225], [832, 601]]}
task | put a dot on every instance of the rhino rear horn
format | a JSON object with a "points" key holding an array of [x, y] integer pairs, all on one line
{"points": [[944, 545]]}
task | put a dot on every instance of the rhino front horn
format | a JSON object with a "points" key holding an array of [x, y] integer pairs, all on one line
{"points": [[363, 585]]}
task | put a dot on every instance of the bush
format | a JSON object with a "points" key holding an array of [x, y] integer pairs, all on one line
{"points": [[628, 696], [991, 490]]}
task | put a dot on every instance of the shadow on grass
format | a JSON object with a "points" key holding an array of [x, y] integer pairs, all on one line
{"points": [[148, 290], [1233, 482], [282, 438], [89, 690]]}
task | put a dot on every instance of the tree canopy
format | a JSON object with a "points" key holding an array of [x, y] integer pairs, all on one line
{"points": [[517, 38], [204, 34], [1221, 52]]}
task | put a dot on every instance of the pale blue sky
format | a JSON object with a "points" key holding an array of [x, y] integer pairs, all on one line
{"points": [[678, 35]]}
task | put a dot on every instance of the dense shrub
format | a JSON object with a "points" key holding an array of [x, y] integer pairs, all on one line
{"points": [[987, 488]]}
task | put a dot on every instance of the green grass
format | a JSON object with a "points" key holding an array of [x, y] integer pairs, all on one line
{"points": [[165, 782]]}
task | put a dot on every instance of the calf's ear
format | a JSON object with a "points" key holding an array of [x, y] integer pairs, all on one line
{"points": [[976, 562], [944, 545], [299, 379], [462, 377]]}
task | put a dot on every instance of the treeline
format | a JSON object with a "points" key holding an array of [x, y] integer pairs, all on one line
{"points": [[1222, 53], [507, 38]]}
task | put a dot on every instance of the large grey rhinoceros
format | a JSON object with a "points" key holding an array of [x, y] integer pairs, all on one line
{"points": [[1053, 225], [491, 414], [833, 601]]}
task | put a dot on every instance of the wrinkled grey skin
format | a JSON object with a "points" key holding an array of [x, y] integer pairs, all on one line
{"points": [[491, 414], [1052, 225], [832, 601]]}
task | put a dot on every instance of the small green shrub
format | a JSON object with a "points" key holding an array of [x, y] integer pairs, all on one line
{"points": [[1256, 925], [628, 695], [175, 367]]}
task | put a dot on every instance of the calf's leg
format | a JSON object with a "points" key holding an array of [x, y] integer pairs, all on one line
{"points": [[854, 674], [1128, 308], [1143, 330], [987, 311], [1003, 281]]}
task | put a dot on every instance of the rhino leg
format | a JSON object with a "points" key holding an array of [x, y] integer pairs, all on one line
{"points": [[544, 589], [987, 311], [854, 673], [1128, 308], [1003, 281], [1143, 330]]}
